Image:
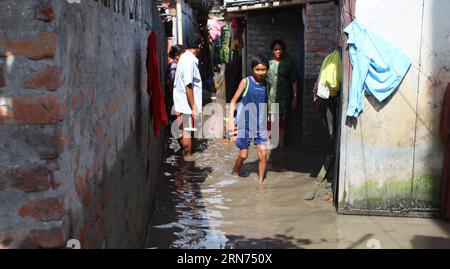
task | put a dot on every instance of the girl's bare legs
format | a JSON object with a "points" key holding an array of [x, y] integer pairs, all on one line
{"points": [[262, 162], [243, 154]]}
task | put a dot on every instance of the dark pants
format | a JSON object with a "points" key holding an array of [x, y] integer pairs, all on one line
{"points": [[328, 114]]}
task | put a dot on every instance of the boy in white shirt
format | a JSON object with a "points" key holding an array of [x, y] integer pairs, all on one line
{"points": [[187, 92]]}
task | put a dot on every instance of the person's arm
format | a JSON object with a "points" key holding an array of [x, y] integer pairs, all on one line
{"points": [[191, 100], [233, 102]]}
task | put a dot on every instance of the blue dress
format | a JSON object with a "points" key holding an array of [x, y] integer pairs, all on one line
{"points": [[251, 116]]}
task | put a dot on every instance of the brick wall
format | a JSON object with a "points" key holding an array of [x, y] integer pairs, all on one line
{"points": [[78, 156], [267, 25], [321, 36]]}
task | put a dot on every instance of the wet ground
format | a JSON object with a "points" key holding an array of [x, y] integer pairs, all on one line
{"points": [[201, 205]]}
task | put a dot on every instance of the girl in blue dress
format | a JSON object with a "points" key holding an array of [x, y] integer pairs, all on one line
{"points": [[251, 116]]}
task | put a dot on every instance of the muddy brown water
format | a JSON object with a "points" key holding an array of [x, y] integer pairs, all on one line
{"points": [[202, 205]]}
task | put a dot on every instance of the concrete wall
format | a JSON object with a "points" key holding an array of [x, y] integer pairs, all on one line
{"points": [[79, 159], [391, 161]]}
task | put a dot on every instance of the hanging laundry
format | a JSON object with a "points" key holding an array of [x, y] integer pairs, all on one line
{"points": [[237, 42], [224, 49], [329, 81], [154, 88], [378, 67], [215, 28]]}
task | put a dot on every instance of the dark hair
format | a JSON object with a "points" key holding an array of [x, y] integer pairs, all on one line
{"points": [[278, 42], [176, 50], [259, 59], [193, 41]]}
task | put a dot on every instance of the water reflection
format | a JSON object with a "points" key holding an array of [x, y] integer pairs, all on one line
{"points": [[183, 212]]}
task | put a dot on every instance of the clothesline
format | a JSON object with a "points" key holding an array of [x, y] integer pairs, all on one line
{"points": [[418, 68]]}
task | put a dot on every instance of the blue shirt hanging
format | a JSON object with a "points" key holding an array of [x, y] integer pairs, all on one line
{"points": [[378, 67]]}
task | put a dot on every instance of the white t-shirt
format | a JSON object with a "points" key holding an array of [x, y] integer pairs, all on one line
{"points": [[187, 73]]}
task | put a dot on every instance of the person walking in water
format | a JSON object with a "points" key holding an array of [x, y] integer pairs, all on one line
{"points": [[251, 116], [187, 92]]}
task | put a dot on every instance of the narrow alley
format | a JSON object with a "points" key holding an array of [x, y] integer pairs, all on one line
{"points": [[355, 100]]}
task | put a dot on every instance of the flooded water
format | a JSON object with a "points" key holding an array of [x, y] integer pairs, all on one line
{"points": [[202, 205]]}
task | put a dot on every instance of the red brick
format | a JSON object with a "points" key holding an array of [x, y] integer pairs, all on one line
{"points": [[62, 141], [46, 209], [100, 205], [52, 238], [100, 130], [83, 233], [6, 241], [2, 79], [113, 105], [316, 49], [91, 93], [45, 13], [44, 109], [48, 78], [94, 242], [86, 200], [30, 179], [43, 46], [106, 145], [89, 172], [101, 173], [73, 102], [80, 184], [55, 181], [80, 99], [117, 102]]}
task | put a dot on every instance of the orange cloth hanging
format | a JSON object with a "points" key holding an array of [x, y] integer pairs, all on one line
{"points": [[154, 88]]}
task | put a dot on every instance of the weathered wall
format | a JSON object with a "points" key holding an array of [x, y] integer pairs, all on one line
{"points": [[79, 159], [391, 162], [321, 38], [266, 25]]}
